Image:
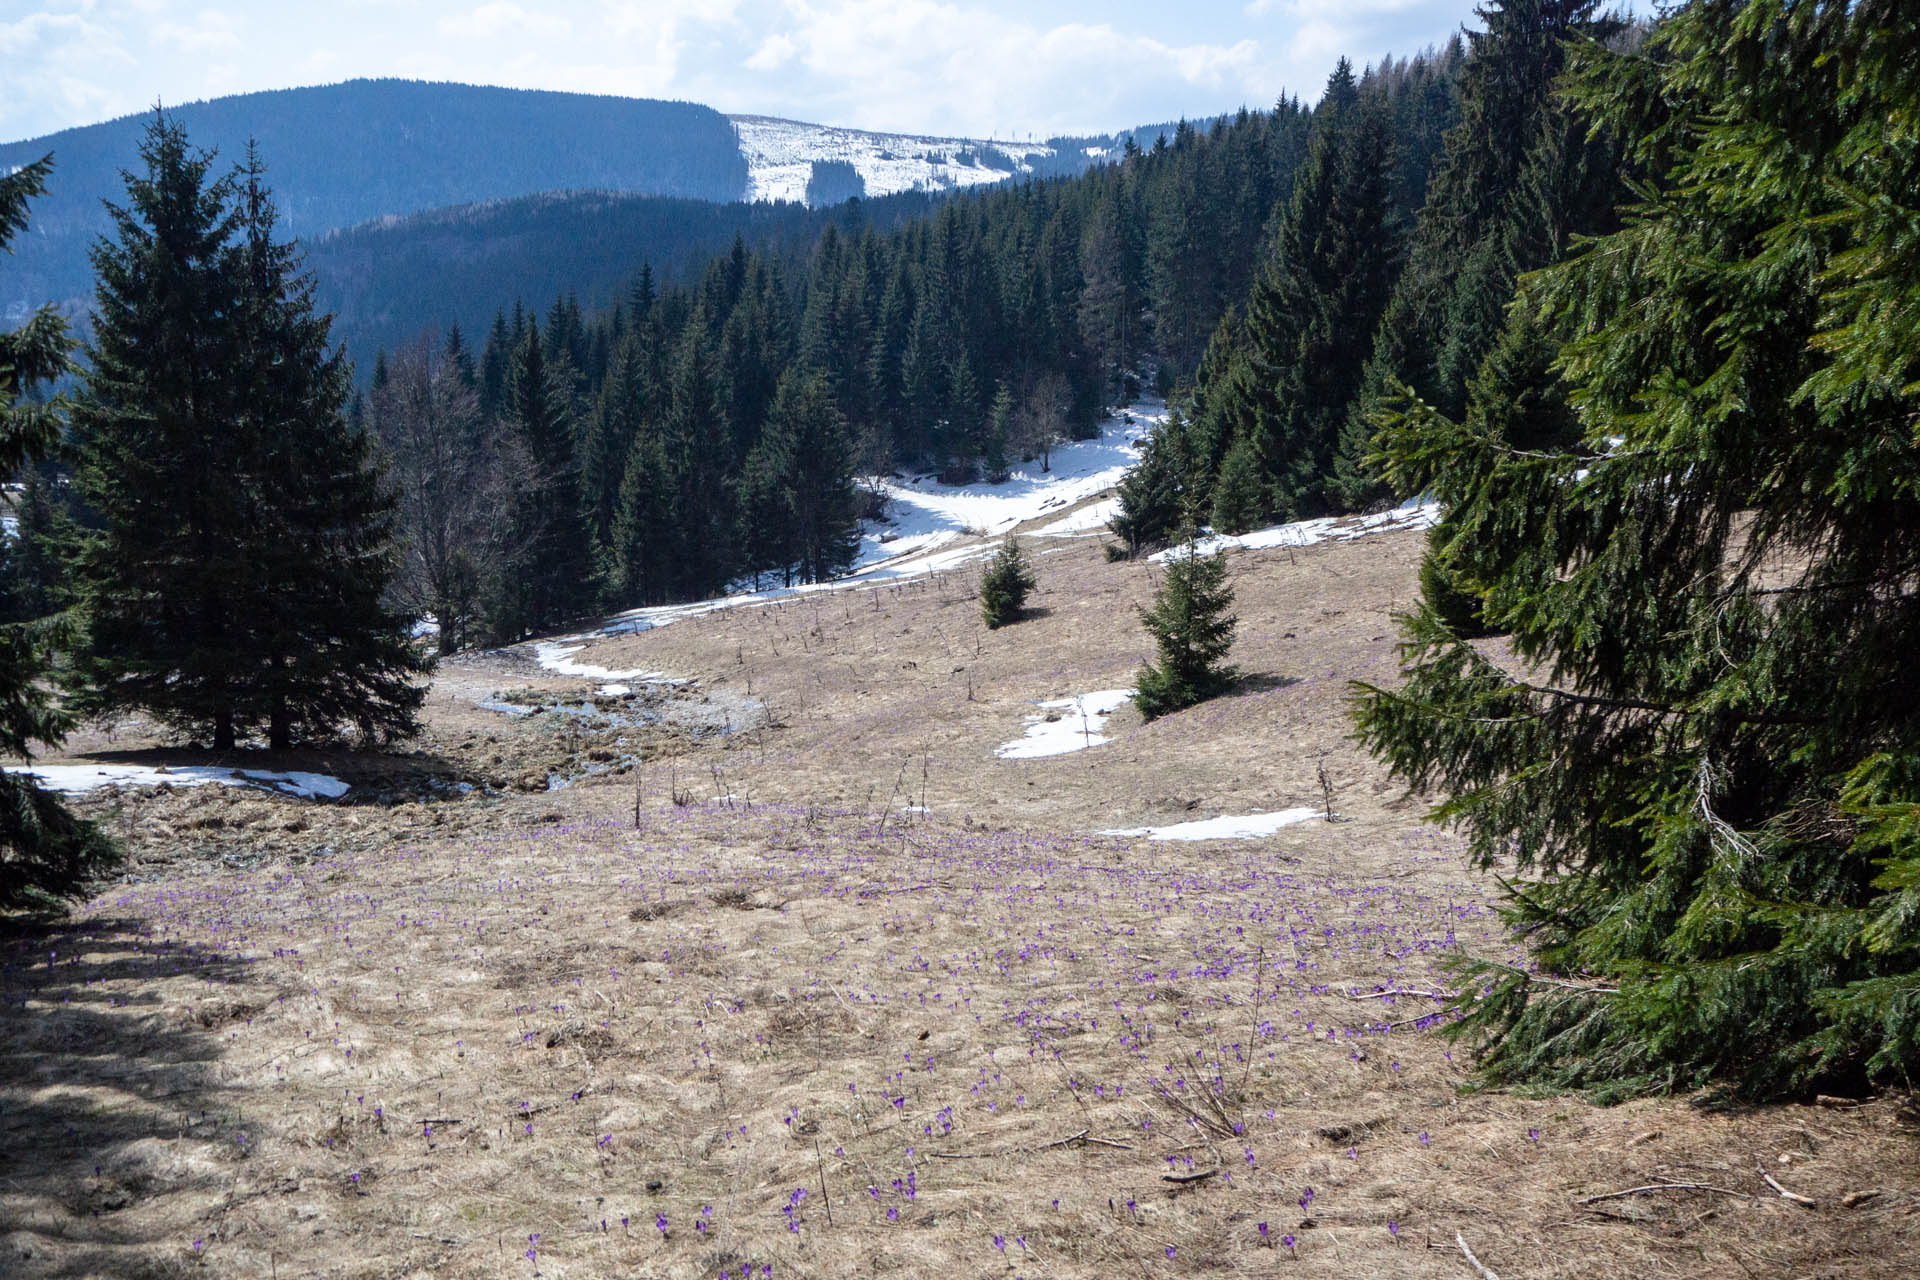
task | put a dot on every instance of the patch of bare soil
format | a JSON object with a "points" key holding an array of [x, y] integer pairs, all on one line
{"points": [[832, 989]]}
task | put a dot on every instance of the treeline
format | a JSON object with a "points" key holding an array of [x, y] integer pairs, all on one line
{"points": [[387, 281], [688, 437], [1366, 293]]}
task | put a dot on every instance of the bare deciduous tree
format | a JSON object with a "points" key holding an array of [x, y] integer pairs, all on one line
{"points": [[448, 476], [1041, 420]]}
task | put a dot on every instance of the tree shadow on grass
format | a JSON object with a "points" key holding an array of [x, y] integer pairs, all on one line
{"points": [[1259, 682], [373, 775], [108, 1095]]}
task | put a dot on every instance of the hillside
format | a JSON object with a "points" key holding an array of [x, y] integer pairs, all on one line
{"points": [[781, 154], [342, 154], [386, 281], [734, 937]]}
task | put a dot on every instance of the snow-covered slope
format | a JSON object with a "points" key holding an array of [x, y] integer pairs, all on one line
{"points": [[780, 156]]}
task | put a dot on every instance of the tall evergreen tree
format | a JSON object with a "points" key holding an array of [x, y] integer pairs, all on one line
{"points": [[46, 854], [243, 543], [544, 576], [1706, 752], [818, 484], [329, 650], [1311, 317], [644, 534]]}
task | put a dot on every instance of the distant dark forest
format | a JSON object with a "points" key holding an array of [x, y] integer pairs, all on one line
{"points": [[342, 154], [386, 281]]}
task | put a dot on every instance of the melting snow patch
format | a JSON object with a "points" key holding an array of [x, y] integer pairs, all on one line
{"points": [[557, 656], [1242, 827], [1412, 514], [1075, 727], [1088, 520], [73, 779]]}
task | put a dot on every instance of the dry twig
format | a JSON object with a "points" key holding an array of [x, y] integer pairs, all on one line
{"points": [[1663, 1186], [1785, 1194], [1476, 1263]]}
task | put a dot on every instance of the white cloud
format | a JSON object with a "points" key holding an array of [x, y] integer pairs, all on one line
{"points": [[774, 52], [928, 66], [209, 31], [501, 17], [946, 68]]}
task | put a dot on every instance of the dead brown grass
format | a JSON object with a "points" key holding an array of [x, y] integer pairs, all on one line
{"points": [[989, 1040]]}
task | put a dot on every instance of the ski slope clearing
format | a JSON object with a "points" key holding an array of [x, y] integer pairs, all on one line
{"points": [[923, 509], [929, 528], [780, 156], [77, 779], [1246, 826], [1411, 514], [1075, 725]]}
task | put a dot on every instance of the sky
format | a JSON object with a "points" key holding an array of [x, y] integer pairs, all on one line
{"points": [[970, 68]]}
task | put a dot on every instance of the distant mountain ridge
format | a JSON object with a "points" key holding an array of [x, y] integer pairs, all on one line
{"points": [[343, 154], [423, 204]]}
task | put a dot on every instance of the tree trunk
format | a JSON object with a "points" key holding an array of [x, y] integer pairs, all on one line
{"points": [[280, 728], [223, 731]]}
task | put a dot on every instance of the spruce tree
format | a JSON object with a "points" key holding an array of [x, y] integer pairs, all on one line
{"points": [[1152, 497], [1704, 753], [1005, 585], [242, 538], [544, 577], [46, 854], [1313, 311], [993, 458], [817, 484], [331, 652], [1192, 631], [644, 532], [1237, 500]]}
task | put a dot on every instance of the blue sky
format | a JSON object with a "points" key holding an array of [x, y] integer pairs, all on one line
{"points": [[1004, 68]]}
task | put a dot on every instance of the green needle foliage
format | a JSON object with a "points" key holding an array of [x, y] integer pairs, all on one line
{"points": [[241, 544], [46, 854], [1005, 585], [1702, 748], [1192, 632]]}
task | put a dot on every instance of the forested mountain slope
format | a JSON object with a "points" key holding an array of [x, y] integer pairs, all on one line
{"points": [[345, 153]]}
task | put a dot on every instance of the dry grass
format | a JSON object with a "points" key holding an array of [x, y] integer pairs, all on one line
{"points": [[471, 1021]]}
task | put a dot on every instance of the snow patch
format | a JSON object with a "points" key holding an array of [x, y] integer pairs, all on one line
{"points": [[1411, 514], [1090, 520], [1246, 826], [557, 656], [1075, 726], [1085, 469], [780, 156], [74, 779]]}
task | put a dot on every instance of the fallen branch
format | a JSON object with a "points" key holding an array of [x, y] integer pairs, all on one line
{"points": [[1388, 995], [1069, 1140], [1477, 1265], [1663, 1186], [1785, 1194], [1201, 1176]]}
